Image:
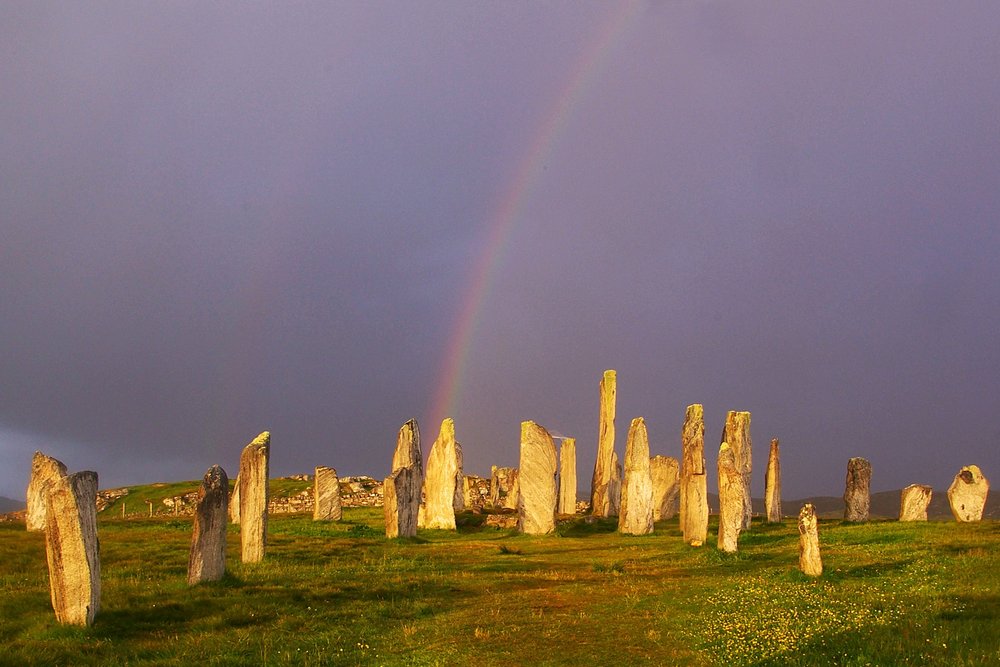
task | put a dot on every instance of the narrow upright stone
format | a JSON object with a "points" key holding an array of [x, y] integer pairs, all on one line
{"points": [[44, 469], [458, 500], [207, 560], [737, 434], [536, 506], [234, 501], [665, 473], [615, 486], [401, 502], [772, 485], [567, 476], [913, 502], [443, 467], [809, 559], [730, 499], [503, 488], [636, 517], [857, 494], [326, 495], [604, 466], [254, 496], [967, 494], [72, 548], [407, 451], [694, 481]]}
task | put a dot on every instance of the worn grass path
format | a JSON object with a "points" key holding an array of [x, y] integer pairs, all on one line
{"points": [[341, 594]]}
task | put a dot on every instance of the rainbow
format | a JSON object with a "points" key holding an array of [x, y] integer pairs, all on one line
{"points": [[507, 213]]}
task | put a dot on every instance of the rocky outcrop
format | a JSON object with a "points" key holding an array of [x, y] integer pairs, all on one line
{"points": [[809, 558], [601, 503], [477, 492], [443, 468], [857, 491], [567, 476], [636, 516], [72, 548], [737, 435], [44, 470], [536, 506], [967, 494], [503, 488], [665, 473], [913, 502], [772, 485], [253, 476], [326, 495], [731, 491], [207, 559], [694, 482]]}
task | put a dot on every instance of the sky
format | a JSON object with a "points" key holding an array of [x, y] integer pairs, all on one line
{"points": [[324, 219]]}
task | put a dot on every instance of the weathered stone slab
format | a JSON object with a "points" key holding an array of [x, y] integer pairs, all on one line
{"points": [[44, 469], [72, 549], [810, 561], [665, 473], [234, 501], [601, 496], [254, 495], [401, 502], [458, 500], [443, 468], [731, 491], [737, 434], [407, 451], [857, 494], [326, 495], [567, 476], [967, 494], [694, 481], [772, 485], [615, 486], [207, 559], [913, 502], [536, 507], [636, 516], [503, 488]]}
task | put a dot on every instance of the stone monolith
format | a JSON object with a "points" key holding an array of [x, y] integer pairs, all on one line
{"points": [[207, 559], [536, 505], [567, 476], [458, 501], [857, 494], [601, 502], [615, 486], [254, 496], [44, 469], [731, 491], [71, 547], [737, 434], [665, 473], [913, 502], [234, 501], [407, 452], [326, 495], [772, 485], [636, 515], [441, 473], [401, 502], [809, 559], [694, 482], [967, 494]]}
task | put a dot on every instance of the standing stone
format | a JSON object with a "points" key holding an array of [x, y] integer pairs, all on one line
{"points": [[458, 501], [407, 451], [72, 549], [809, 559], [857, 494], [772, 485], [731, 491], [326, 495], [636, 517], [254, 495], [737, 434], [44, 469], [536, 505], [567, 476], [665, 473], [504, 488], [234, 502], [694, 481], [207, 560], [913, 502], [967, 494], [401, 502], [604, 466], [443, 467], [615, 486]]}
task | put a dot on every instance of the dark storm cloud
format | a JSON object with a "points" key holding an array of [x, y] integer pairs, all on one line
{"points": [[219, 220]]}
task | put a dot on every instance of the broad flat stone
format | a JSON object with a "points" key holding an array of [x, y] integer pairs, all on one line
{"points": [[636, 516], [694, 482], [326, 495], [254, 496], [737, 434], [665, 473], [967, 494], [857, 494], [731, 492], [401, 502], [567, 476], [809, 557], [913, 502], [443, 468], [44, 469], [536, 507], [207, 559], [601, 503], [72, 549], [772, 485]]}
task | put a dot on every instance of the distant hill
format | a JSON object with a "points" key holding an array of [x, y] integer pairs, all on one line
{"points": [[10, 505], [884, 505]]}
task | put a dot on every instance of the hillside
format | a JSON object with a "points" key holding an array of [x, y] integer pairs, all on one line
{"points": [[10, 505]]}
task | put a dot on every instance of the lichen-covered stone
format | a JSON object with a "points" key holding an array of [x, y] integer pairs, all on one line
{"points": [[772, 485], [967, 494], [857, 493], [254, 495], [665, 473], [326, 495], [536, 506], [636, 516], [71, 547], [694, 481], [458, 500], [730, 499], [207, 559], [615, 486], [44, 469], [737, 434], [401, 502], [601, 503], [810, 561], [913, 502], [407, 452], [443, 468], [567, 476]]}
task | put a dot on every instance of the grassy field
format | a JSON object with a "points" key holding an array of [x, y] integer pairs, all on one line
{"points": [[341, 594]]}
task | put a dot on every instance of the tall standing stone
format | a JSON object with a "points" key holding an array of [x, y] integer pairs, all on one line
{"points": [[536, 505], [207, 560], [615, 486], [567, 476], [731, 491], [772, 485], [694, 481], [737, 434], [72, 549], [401, 502], [967, 494], [44, 469], [857, 491], [407, 452], [604, 466], [809, 559], [326, 495], [234, 501], [636, 517], [254, 496], [458, 500], [913, 502], [443, 467], [665, 473]]}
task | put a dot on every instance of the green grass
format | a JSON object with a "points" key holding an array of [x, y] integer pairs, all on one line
{"points": [[340, 593]]}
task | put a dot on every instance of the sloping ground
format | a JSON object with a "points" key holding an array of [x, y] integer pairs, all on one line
{"points": [[10, 505]]}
